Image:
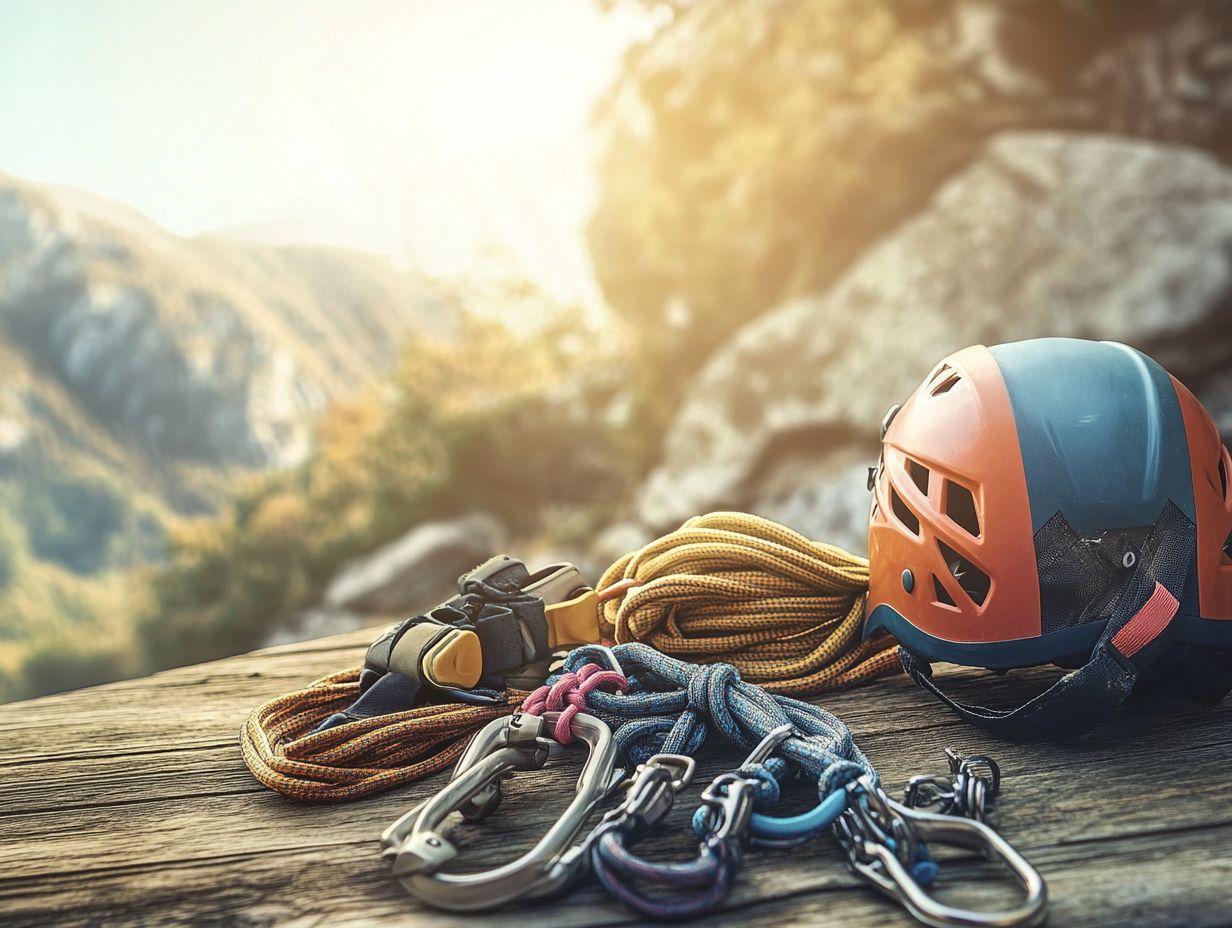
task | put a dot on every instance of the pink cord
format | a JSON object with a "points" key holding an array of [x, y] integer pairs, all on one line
{"points": [[568, 696]]}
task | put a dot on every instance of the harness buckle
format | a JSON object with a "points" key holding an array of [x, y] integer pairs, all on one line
{"points": [[885, 844], [418, 845]]}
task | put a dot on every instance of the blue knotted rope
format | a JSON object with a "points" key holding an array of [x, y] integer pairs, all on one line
{"points": [[672, 707]]}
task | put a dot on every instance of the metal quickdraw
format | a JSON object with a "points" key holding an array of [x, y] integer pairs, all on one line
{"points": [[673, 709], [420, 850], [883, 840], [970, 789], [693, 887]]}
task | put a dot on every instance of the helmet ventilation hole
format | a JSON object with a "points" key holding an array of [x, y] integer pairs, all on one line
{"points": [[948, 383], [943, 595], [919, 475], [1223, 473], [903, 514], [974, 582], [960, 507], [1227, 549]]}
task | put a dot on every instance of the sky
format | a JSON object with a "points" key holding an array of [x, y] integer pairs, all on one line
{"points": [[429, 130]]}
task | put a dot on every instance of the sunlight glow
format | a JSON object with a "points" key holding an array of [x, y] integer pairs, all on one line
{"points": [[426, 129]]}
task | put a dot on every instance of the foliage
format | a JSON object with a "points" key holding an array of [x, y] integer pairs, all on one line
{"points": [[59, 630], [12, 549], [752, 149], [488, 421], [71, 520], [54, 666]]}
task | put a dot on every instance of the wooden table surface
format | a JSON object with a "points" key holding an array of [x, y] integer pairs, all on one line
{"points": [[130, 804]]}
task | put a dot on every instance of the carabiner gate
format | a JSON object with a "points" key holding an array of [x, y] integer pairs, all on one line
{"points": [[884, 842], [420, 849]]}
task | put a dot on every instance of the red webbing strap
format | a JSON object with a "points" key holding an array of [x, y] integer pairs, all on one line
{"points": [[1147, 622]]}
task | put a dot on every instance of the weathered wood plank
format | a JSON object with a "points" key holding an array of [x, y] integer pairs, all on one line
{"points": [[130, 804]]}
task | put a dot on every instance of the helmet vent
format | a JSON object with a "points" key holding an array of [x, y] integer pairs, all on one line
{"points": [[1227, 549], [1223, 472], [947, 383], [919, 475], [974, 582], [943, 595], [904, 515], [960, 507]]}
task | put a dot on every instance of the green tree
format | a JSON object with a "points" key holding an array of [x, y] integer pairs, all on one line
{"points": [[58, 665], [71, 520]]}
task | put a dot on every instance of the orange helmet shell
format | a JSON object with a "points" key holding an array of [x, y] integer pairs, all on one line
{"points": [[1015, 490], [1211, 468], [950, 482]]}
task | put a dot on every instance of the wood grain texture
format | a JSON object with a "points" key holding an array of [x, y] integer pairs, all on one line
{"points": [[130, 804]]}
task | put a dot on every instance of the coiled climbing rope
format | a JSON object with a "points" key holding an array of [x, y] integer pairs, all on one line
{"points": [[725, 587], [285, 750], [734, 587]]}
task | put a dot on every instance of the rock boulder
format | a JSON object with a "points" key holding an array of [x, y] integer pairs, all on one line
{"points": [[417, 570], [1044, 234]]}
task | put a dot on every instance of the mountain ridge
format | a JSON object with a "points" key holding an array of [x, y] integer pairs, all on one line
{"points": [[145, 375]]}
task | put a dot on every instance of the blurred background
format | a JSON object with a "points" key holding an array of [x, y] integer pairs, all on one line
{"points": [[307, 307]]}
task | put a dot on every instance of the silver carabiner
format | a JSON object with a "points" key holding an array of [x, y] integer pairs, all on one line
{"points": [[881, 837], [652, 790], [729, 797], [420, 849], [972, 786], [650, 793]]}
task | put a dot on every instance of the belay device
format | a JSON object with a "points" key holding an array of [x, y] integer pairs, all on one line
{"points": [[1055, 501]]}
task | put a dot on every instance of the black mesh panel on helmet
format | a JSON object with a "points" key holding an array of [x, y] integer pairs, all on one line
{"points": [[1080, 575]]}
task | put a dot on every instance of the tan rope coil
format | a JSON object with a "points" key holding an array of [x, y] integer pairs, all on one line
{"points": [[734, 587], [726, 586], [359, 758]]}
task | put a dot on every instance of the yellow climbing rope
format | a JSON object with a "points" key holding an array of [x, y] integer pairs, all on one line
{"points": [[727, 586], [734, 587]]}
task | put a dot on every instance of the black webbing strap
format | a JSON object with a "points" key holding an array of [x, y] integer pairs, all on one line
{"points": [[510, 623], [1137, 633]]}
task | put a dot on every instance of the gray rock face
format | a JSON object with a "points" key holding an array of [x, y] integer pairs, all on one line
{"points": [[1045, 234], [417, 570]]}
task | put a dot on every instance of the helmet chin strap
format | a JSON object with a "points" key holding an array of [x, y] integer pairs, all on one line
{"points": [[1137, 633]]}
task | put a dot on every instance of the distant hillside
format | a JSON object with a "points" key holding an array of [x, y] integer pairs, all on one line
{"points": [[142, 374], [187, 353]]}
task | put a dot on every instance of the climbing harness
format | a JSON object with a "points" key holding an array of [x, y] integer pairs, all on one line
{"points": [[426, 684], [662, 711], [969, 790], [498, 631], [1055, 501], [419, 848], [734, 587]]}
